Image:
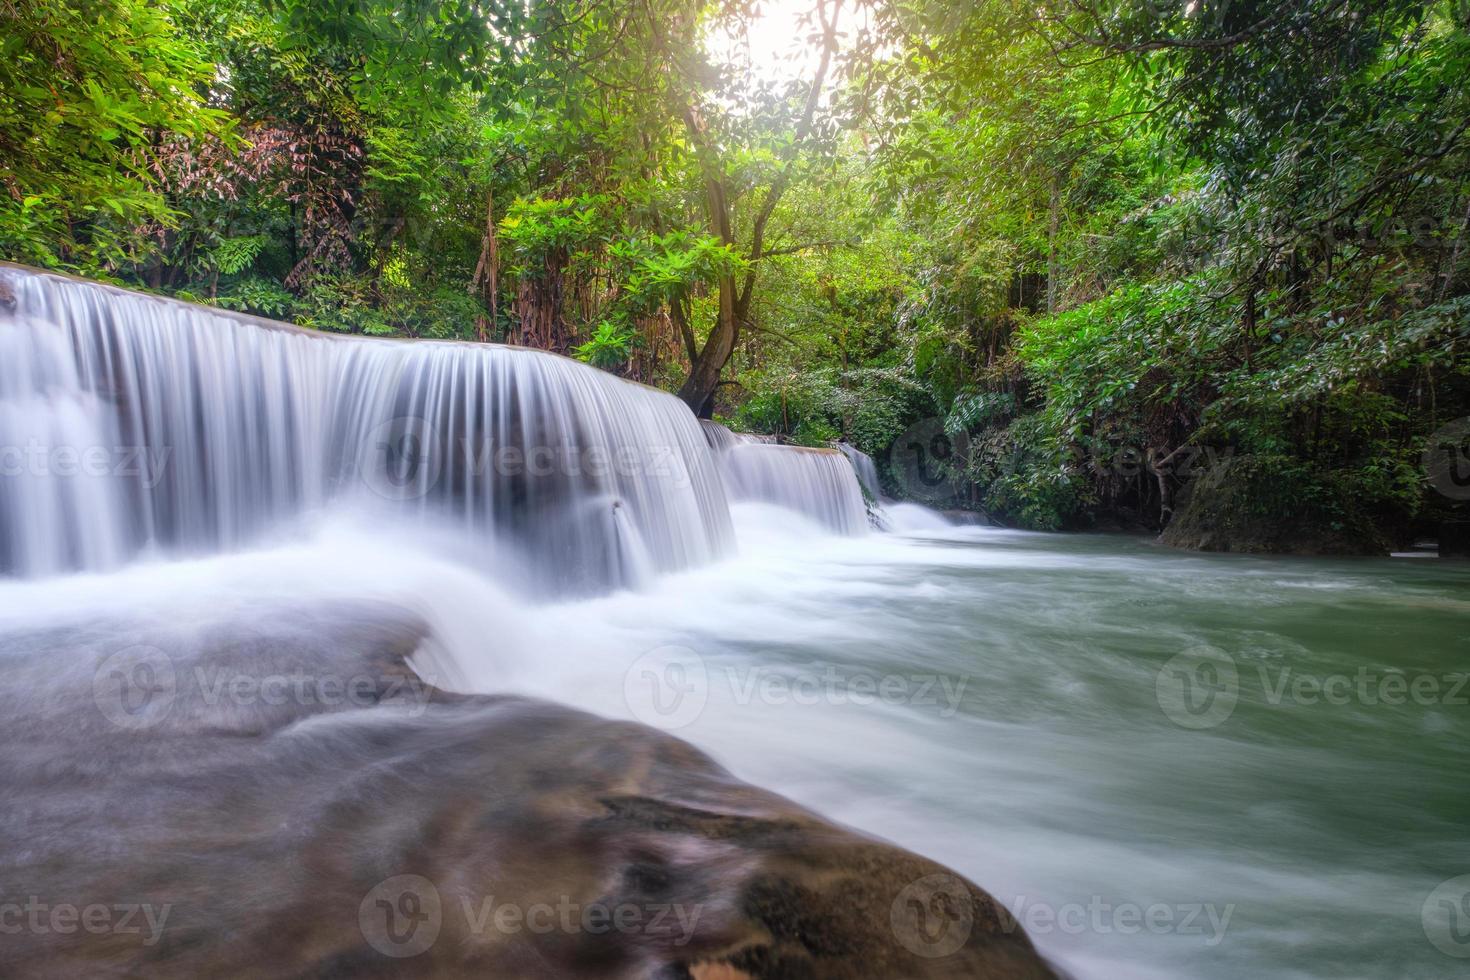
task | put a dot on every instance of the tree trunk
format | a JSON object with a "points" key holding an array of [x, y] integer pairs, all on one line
{"points": [[679, 314], [704, 374], [486, 279], [540, 307]]}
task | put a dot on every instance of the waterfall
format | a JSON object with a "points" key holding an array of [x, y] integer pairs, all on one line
{"points": [[721, 438], [130, 422], [819, 483], [866, 470], [886, 513], [53, 514]]}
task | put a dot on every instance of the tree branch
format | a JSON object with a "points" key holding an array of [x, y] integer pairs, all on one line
{"points": [[803, 130]]}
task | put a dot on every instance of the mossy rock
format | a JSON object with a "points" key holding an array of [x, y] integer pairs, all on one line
{"points": [[1270, 505]]}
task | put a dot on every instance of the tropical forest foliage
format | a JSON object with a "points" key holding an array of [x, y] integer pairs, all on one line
{"points": [[1103, 247]]}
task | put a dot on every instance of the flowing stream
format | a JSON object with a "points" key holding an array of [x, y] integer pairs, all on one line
{"points": [[1166, 765]]}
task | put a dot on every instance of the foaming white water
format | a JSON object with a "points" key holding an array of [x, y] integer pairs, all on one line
{"points": [[196, 430], [986, 697], [932, 690], [816, 482], [51, 520], [132, 424], [906, 517]]}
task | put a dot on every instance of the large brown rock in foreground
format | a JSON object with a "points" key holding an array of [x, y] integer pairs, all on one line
{"points": [[272, 801]]}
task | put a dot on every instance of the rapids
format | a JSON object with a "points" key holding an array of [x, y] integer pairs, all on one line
{"points": [[934, 690]]}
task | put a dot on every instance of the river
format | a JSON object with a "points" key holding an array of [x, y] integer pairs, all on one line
{"points": [[1014, 705]]}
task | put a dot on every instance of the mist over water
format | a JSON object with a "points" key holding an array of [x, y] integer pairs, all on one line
{"points": [[1002, 702]]}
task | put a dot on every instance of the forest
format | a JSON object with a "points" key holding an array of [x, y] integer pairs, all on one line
{"points": [[1191, 265]]}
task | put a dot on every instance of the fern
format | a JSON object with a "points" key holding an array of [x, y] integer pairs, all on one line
{"points": [[233, 256]]}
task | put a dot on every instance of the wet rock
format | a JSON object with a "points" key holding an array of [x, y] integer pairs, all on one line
{"points": [[1257, 506], [282, 796]]}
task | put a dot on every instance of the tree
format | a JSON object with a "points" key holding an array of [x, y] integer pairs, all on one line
{"points": [[86, 89]]}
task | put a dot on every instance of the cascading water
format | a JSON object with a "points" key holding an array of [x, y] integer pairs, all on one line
{"points": [[130, 422], [818, 483], [50, 518], [886, 513], [719, 437], [866, 470]]}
